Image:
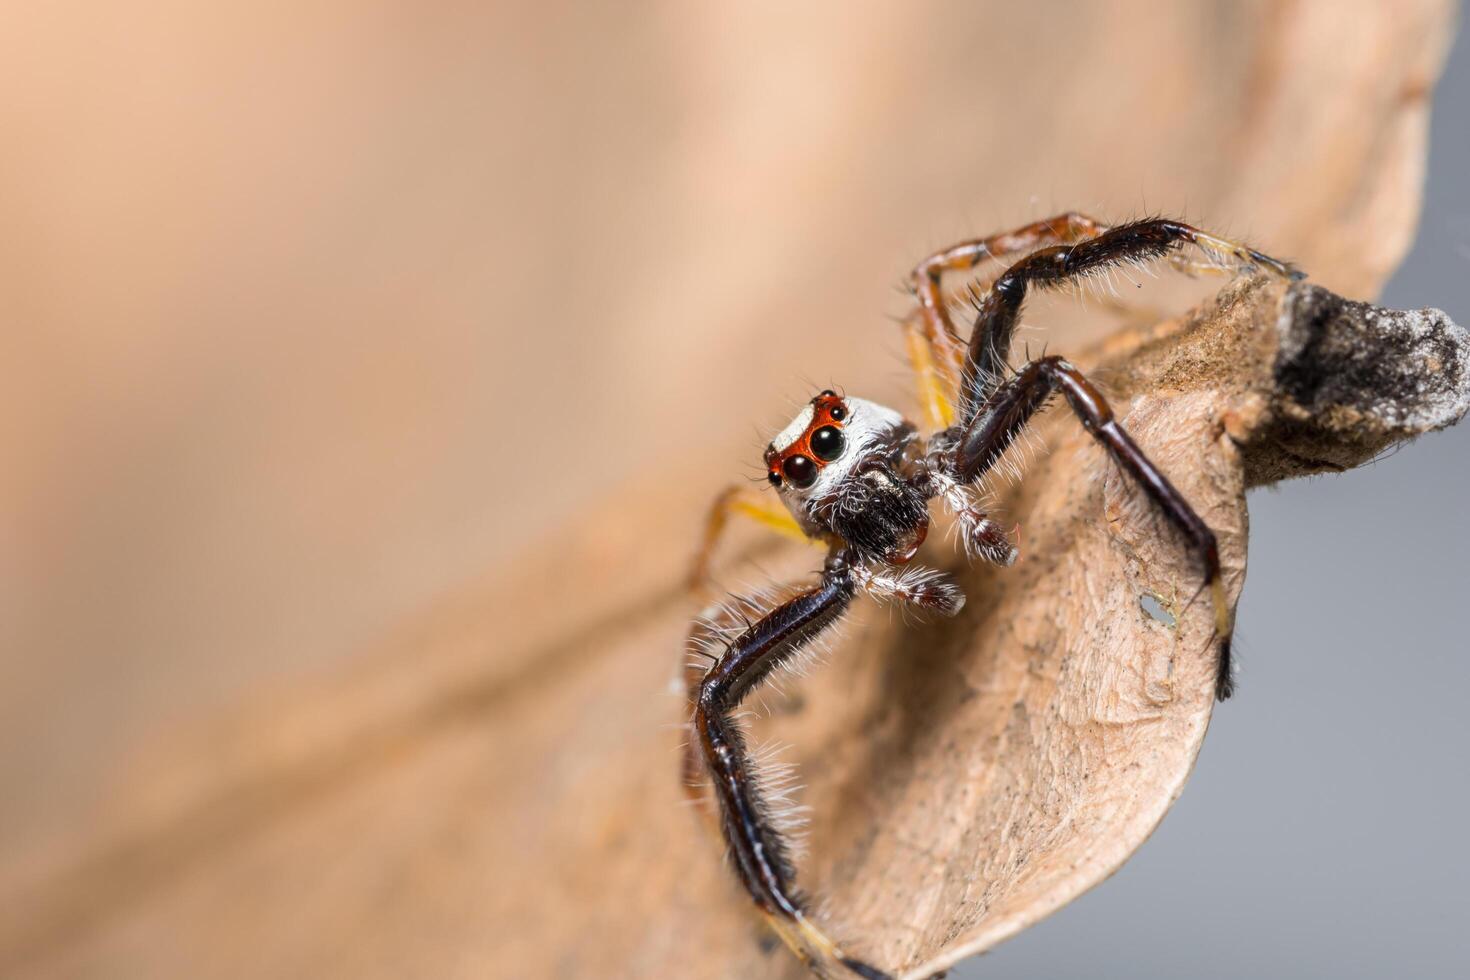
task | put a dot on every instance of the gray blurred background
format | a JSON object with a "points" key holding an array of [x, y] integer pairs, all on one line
{"points": [[1323, 832]]}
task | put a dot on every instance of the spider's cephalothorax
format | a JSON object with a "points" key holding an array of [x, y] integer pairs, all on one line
{"points": [[858, 478]]}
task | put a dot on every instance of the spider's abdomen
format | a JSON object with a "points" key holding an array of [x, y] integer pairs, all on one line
{"points": [[879, 515]]}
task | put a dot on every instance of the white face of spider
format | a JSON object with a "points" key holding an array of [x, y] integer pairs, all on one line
{"points": [[818, 450]]}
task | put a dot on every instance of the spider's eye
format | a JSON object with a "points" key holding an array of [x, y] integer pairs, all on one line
{"points": [[775, 479], [801, 471], [828, 443], [838, 413]]}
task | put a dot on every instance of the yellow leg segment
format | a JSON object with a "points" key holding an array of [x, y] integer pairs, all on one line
{"points": [[816, 950], [935, 389], [1223, 626], [747, 503]]}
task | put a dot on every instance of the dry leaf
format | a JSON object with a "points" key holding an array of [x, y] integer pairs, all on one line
{"points": [[966, 777], [495, 792]]}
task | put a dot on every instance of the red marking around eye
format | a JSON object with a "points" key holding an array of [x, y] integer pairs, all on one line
{"points": [[802, 446]]}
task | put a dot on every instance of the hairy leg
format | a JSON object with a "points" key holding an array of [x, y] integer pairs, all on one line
{"points": [[757, 850], [981, 536], [717, 755], [928, 276], [1012, 405], [999, 309]]}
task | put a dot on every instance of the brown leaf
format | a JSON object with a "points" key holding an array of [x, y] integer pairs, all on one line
{"points": [[494, 792], [966, 777]]}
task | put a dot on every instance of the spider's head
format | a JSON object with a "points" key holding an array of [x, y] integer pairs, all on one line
{"points": [[821, 448], [835, 467]]}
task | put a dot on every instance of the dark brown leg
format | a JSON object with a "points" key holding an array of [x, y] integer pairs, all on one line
{"points": [[1138, 241], [928, 275], [756, 848], [1011, 406]]}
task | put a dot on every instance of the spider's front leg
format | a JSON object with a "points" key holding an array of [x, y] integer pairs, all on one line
{"points": [[1071, 244], [927, 280], [757, 849], [999, 309], [994, 408], [1013, 404]]}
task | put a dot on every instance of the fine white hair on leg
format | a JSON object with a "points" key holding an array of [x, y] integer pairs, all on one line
{"points": [[921, 587], [779, 785], [980, 536]]}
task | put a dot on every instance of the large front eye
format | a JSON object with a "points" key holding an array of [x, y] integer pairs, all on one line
{"points": [[800, 472], [828, 443]]}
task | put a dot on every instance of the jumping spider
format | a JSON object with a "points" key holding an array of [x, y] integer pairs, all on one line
{"points": [[859, 477]]}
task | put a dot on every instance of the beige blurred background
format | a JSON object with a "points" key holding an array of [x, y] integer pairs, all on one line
{"points": [[317, 313]]}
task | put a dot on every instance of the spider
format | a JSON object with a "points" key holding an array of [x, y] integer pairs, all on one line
{"points": [[858, 477]]}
